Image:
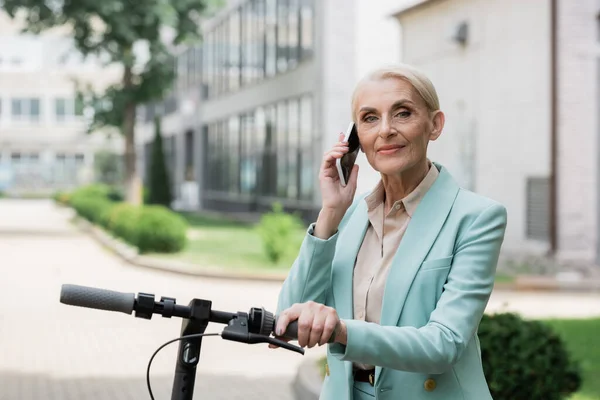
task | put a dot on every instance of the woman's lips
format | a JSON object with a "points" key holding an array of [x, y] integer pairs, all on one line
{"points": [[386, 150]]}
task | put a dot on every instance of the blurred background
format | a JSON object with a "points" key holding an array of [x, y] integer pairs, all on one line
{"points": [[172, 147]]}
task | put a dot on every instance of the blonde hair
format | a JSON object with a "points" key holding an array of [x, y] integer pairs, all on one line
{"points": [[407, 73]]}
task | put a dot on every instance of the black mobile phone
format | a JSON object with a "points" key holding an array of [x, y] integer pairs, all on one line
{"points": [[346, 162]]}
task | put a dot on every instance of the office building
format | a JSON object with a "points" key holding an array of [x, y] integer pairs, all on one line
{"points": [[43, 141], [256, 104], [519, 83]]}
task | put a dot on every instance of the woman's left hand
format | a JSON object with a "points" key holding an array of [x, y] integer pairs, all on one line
{"points": [[316, 324]]}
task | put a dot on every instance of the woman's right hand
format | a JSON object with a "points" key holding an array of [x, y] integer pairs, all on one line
{"points": [[335, 197]]}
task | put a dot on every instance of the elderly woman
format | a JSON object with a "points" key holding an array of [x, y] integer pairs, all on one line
{"points": [[397, 280]]}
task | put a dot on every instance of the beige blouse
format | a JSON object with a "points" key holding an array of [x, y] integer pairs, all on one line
{"points": [[379, 246]]}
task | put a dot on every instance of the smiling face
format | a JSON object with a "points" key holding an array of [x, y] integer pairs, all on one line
{"points": [[394, 125]]}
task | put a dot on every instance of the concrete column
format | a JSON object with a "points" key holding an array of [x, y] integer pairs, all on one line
{"points": [[335, 40], [577, 132]]}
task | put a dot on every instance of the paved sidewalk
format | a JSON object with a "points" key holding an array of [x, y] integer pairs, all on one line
{"points": [[215, 387], [52, 351]]}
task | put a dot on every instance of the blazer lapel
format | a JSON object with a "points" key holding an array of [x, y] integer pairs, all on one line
{"points": [[423, 229], [348, 245]]}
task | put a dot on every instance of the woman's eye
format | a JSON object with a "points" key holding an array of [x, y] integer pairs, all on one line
{"points": [[369, 118], [403, 114]]}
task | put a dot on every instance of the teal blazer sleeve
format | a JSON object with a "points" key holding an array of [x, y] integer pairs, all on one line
{"points": [[309, 278], [438, 345]]}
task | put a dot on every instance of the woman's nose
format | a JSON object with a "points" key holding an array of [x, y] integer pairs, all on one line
{"points": [[385, 128]]}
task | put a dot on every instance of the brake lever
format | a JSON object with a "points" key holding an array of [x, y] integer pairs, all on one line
{"points": [[283, 344], [252, 338], [237, 331]]}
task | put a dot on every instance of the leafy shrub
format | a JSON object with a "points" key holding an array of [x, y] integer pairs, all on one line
{"points": [[115, 194], [276, 230], [149, 228], [104, 217], [160, 230], [94, 190], [525, 360], [62, 198], [91, 208], [123, 222]]}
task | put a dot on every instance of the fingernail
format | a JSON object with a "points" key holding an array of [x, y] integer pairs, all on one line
{"points": [[279, 333]]}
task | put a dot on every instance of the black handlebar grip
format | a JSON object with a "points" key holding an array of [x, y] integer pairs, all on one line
{"points": [[101, 299], [291, 332]]}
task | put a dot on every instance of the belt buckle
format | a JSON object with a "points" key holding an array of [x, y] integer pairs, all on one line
{"points": [[372, 378]]}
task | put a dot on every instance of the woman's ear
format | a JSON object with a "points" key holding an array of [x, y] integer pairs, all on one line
{"points": [[438, 121]]}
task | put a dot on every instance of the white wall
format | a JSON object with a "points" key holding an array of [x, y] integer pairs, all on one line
{"points": [[495, 94], [579, 133]]}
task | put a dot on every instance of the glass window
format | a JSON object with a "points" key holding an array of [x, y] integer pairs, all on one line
{"points": [[306, 128], [271, 38], [259, 129], [249, 48], [248, 159], [233, 149], [293, 33], [222, 35], [269, 162], [306, 28], [234, 52], [60, 109], [214, 170], [17, 107], [79, 106], [282, 36], [26, 109], [307, 159], [191, 67], [189, 173], [282, 126], [219, 60], [207, 66], [213, 150], [293, 149], [259, 38], [223, 157], [181, 70], [245, 9], [198, 64]]}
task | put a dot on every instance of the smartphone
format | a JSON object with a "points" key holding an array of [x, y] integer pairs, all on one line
{"points": [[346, 162]]}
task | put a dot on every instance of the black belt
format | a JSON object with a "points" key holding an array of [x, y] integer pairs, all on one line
{"points": [[365, 375]]}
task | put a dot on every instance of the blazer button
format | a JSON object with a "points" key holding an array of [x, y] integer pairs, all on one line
{"points": [[327, 369], [430, 385]]}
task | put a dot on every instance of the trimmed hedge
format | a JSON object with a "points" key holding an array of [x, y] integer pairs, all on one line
{"points": [[91, 208], [524, 359], [150, 228], [160, 230], [123, 221]]}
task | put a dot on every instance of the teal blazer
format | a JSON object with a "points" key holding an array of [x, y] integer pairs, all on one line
{"points": [[441, 278]]}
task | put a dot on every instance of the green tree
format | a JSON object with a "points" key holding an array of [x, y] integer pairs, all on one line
{"points": [[159, 187], [114, 30]]}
